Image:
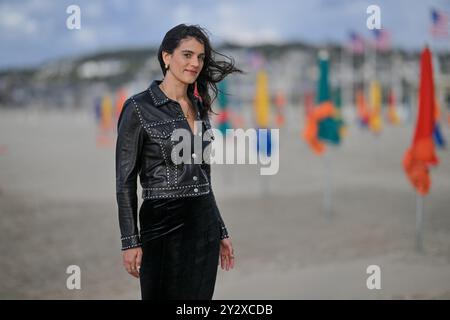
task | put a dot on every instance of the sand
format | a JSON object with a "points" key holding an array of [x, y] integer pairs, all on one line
{"points": [[57, 207]]}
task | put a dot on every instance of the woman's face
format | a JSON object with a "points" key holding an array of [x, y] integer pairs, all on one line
{"points": [[186, 61]]}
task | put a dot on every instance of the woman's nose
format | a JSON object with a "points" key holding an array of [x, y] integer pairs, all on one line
{"points": [[195, 63]]}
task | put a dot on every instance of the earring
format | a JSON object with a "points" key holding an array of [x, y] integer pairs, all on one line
{"points": [[167, 66], [196, 89]]}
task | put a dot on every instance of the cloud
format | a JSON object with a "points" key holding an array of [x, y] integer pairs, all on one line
{"points": [[15, 22], [182, 13], [35, 30], [248, 36], [93, 10], [85, 37]]}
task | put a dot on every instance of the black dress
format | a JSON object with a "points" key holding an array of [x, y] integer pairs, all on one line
{"points": [[180, 243]]}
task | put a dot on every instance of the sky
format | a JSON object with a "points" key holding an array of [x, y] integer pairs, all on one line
{"points": [[34, 31]]}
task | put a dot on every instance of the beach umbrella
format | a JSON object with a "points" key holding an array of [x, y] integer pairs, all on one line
{"points": [[392, 116], [421, 154], [337, 102], [322, 126], [264, 143], [262, 111], [308, 102], [121, 97], [106, 113], [105, 128], [223, 118], [98, 110], [280, 103], [262, 100], [437, 132], [222, 97], [375, 121], [438, 136], [362, 108]]}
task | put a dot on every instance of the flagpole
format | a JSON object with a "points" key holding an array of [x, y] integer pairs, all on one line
{"points": [[346, 77], [232, 173], [352, 81], [366, 71], [393, 84], [264, 186], [398, 83], [420, 198], [419, 220]]}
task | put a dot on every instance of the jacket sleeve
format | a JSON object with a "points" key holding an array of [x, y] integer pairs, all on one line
{"points": [[223, 229], [128, 156]]}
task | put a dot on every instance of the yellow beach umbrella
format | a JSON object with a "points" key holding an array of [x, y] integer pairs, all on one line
{"points": [[375, 121], [262, 100]]}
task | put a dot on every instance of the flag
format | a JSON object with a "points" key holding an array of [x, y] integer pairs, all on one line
{"points": [[356, 43], [421, 154], [255, 59], [382, 39], [439, 23]]}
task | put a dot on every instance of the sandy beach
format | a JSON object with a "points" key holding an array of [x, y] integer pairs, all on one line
{"points": [[57, 207]]}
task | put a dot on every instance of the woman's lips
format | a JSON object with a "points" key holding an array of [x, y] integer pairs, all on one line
{"points": [[193, 72]]}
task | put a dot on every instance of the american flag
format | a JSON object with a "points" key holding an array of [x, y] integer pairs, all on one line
{"points": [[439, 23], [382, 39], [356, 43], [255, 59]]}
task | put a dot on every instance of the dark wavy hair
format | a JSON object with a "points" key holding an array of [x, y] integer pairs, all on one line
{"points": [[212, 72]]}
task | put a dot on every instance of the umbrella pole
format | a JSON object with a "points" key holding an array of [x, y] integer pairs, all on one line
{"points": [[419, 219], [263, 153], [327, 186]]}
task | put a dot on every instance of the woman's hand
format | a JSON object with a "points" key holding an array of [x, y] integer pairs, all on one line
{"points": [[226, 254], [132, 260]]}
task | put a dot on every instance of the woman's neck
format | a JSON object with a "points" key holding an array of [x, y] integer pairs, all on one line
{"points": [[173, 88]]}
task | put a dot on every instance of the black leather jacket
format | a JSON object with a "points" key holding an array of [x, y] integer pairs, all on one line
{"points": [[144, 146]]}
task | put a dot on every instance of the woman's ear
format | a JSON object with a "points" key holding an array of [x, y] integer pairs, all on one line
{"points": [[166, 57]]}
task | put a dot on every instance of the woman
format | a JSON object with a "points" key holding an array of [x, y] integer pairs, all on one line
{"points": [[175, 253]]}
